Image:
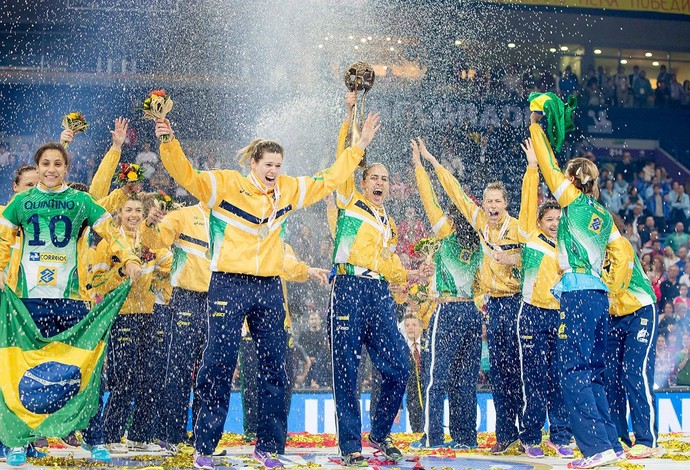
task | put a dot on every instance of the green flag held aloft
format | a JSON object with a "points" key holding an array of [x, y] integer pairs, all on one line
{"points": [[50, 386], [558, 114]]}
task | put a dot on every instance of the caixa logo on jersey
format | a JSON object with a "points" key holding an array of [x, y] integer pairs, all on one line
{"points": [[47, 257]]}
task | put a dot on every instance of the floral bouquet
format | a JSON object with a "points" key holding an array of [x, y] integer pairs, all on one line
{"points": [[144, 253], [418, 293], [128, 173], [427, 247], [156, 106], [75, 122], [165, 202]]}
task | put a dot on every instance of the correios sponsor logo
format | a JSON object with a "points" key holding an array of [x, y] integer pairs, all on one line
{"points": [[47, 257]]}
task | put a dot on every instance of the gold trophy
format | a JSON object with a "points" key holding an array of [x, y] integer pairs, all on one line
{"points": [[359, 77]]}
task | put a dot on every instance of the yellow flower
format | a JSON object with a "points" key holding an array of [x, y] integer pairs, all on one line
{"points": [[134, 166], [168, 199], [132, 176], [414, 289], [73, 115]]}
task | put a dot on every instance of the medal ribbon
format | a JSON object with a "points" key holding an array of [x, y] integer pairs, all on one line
{"points": [[502, 232], [384, 225], [274, 200]]}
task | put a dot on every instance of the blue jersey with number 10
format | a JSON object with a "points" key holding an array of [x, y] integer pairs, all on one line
{"points": [[51, 222]]}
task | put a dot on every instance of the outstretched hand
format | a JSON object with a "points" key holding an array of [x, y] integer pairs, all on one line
{"points": [[531, 155], [120, 133], [425, 153], [67, 136], [163, 128], [416, 159], [319, 274], [369, 129], [132, 270]]}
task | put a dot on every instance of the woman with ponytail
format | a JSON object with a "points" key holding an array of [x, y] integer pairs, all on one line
{"points": [[246, 254]]}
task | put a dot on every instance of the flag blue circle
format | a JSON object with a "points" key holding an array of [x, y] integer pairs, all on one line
{"points": [[47, 387]]}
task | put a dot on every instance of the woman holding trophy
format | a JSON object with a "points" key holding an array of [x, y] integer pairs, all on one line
{"points": [[362, 308], [246, 260]]}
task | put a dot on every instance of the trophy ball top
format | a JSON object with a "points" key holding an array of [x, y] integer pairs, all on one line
{"points": [[359, 76]]}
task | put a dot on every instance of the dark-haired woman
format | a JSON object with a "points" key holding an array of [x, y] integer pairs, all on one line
{"points": [[538, 322], [51, 217], [454, 336], [246, 260]]}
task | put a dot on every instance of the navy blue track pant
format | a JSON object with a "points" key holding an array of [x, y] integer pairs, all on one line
{"points": [[630, 355], [538, 330], [186, 333], [504, 356], [231, 298], [453, 339], [581, 355], [362, 313]]}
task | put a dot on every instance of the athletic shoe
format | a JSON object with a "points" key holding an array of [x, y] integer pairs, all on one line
{"points": [[621, 455], [641, 451], [354, 459], [41, 442], [16, 457], [117, 448], [220, 452], [562, 451], [33, 453], [100, 453], [71, 441], [268, 459], [533, 452], [168, 447], [4, 450], [597, 460], [387, 448], [203, 462], [458, 446], [421, 444], [503, 447], [143, 446]]}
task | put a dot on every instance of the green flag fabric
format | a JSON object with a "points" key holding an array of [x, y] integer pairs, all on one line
{"points": [[558, 114], [50, 387]]}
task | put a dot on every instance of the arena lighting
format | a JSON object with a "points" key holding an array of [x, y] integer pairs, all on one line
{"points": [[552, 49], [623, 61], [655, 63], [597, 51], [648, 54], [511, 45], [564, 48]]}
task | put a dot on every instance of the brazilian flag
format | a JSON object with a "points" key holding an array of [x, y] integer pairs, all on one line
{"points": [[50, 386]]}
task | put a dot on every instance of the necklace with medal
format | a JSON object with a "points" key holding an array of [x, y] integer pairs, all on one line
{"points": [[274, 199], [501, 233], [384, 227]]}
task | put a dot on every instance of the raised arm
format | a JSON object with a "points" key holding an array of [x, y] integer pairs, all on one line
{"points": [[527, 220], [100, 184], [440, 224], [113, 201], [8, 235], [313, 189], [467, 207], [345, 191], [161, 234], [561, 187]]}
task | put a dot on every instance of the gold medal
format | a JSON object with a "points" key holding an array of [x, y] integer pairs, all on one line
{"points": [[263, 232], [386, 253]]}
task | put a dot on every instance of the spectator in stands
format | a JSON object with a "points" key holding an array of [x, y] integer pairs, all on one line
{"points": [[683, 361], [633, 76], [678, 237], [657, 275], [633, 237], [642, 90], [685, 97], [634, 209], [663, 77], [621, 87], [414, 392], [685, 278], [315, 343], [664, 364], [673, 327], [662, 95], [649, 170], [670, 258], [610, 198], [645, 230], [512, 83], [680, 203], [676, 92], [149, 160], [682, 254], [670, 287], [568, 84], [682, 296], [410, 230], [659, 207], [627, 168], [23, 156]]}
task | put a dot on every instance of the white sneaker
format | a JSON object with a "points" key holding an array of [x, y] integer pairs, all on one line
{"points": [[143, 446], [117, 448]]}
